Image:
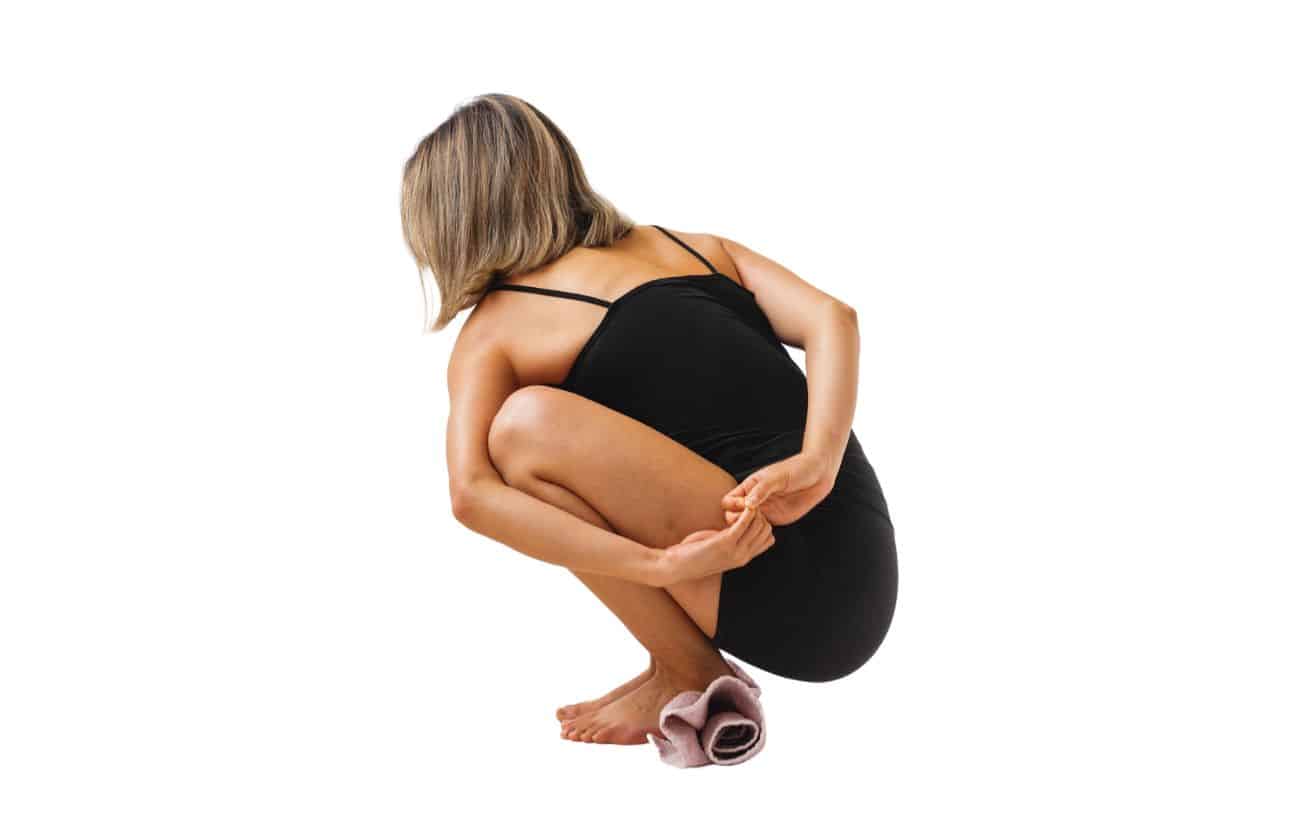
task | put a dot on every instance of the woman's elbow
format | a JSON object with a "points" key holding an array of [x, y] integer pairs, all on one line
{"points": [[842, 312], [464, 504]]}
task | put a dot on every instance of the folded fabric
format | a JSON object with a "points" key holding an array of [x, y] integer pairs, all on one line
{"points": [[723, 724]]}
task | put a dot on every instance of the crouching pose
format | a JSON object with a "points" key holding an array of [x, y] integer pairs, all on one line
{"points": [[623, 405]]}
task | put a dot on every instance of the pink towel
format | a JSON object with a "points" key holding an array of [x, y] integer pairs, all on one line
{"points": [[722, 725]]}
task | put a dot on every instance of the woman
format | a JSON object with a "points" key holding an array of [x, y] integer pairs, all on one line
{"points": [[622, 405]]}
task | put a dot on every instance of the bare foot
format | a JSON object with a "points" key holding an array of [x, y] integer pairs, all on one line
{"points": [[567, 713], [628, 719]]}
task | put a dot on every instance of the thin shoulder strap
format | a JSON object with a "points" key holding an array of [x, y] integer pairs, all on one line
{"points": [[558, 293], [688, 247]]}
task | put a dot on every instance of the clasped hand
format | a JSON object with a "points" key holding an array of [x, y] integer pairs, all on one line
{"points": [[777, 494], [706, 552]]}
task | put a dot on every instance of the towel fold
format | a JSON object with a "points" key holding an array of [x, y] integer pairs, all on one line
{"points": [[723, 724]]}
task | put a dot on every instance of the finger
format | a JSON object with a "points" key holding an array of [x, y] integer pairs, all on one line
{"points": [[742, 524], [769, 538], [758, 492], [755, 545], [732, 515], [742, 487], [753, 532], [761, 491], [764, 522], [741, 532], [743, 520], [733, 518], [747, 484], [759, 537]]}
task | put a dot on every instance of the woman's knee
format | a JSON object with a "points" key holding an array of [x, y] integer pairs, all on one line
{"points": [[520, 425]]}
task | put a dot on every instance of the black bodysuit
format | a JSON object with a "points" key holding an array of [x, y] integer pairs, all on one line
{"points": [[694, 357]]}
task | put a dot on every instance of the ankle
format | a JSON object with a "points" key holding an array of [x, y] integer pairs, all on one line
{"points": [[689, 676]]}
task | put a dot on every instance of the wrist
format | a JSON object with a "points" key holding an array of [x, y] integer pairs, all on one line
{"points": [[652, 567], [825, 460]]}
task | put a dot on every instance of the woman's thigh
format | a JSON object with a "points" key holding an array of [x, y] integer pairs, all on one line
{"points": [[646, 485], [649, 487]]}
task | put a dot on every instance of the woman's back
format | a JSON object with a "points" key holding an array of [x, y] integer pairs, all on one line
{"points": [[542, 336], [691, 355]]}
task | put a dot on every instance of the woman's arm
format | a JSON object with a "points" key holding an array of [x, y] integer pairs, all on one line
{"points": [[479, 379], [827, 330], [831, 356]]}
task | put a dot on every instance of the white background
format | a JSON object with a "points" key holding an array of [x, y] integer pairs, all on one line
{"points": [[231, 583]]}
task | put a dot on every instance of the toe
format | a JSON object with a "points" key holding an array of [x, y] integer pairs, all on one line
{"points": [[576, 725]]}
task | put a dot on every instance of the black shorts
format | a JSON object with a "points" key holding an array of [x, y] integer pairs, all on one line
{"points": [[817, 604]]}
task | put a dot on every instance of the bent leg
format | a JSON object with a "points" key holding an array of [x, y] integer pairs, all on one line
{"points": [[615, 471]]}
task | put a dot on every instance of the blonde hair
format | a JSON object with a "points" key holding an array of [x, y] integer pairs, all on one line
{"points": [[496, 189]]}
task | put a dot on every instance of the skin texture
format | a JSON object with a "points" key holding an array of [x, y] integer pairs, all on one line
{"points": [[644, 522]]}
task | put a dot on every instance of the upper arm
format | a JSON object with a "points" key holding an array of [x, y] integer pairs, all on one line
{"points": [[479, 379], [792, 305]]}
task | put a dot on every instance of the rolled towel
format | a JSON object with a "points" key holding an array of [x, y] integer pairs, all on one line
{"points": [[723, 724]]}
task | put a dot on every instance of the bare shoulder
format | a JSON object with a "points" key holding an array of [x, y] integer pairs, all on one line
{"points": [[757, 271], [735, 251], [480, 341], [709, 245], [792, 304]]}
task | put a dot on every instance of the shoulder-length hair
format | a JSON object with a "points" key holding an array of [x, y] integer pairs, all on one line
{"points": [[496, 189]]}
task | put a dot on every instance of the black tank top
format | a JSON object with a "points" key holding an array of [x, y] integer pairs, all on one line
{"points": [[694, 357]]}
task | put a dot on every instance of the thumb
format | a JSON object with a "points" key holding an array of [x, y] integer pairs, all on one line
{"points": [[770, 480], [759, 491]]}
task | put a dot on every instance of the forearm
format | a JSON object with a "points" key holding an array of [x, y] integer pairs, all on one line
{"points": [[541, 530], [831, 359]]}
